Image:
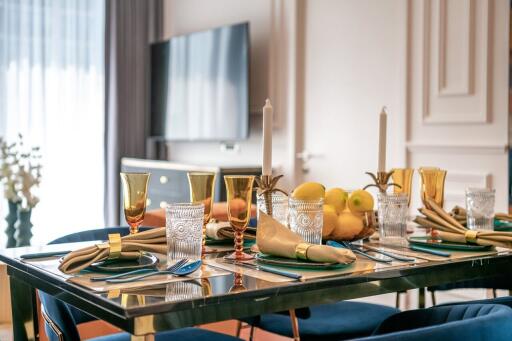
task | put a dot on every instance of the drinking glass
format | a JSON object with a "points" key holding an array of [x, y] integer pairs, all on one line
{"points": [[182, 291], [201, 190], [480, 208], [239, 196], [135, 194], [432, 185], [184, 225], [279, 202], [306, 219], [403, 178], [392, 211]]}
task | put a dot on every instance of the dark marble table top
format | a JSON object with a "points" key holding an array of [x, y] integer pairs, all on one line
{"points": [[236, 295]]}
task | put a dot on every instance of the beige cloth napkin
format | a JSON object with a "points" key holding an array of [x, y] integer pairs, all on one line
{"points": [[153, 240], [447, 227], [275, 239], [223, 230]]}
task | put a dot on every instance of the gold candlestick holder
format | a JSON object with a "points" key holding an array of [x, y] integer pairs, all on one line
{"points": [[267, 184], [381, 181]]}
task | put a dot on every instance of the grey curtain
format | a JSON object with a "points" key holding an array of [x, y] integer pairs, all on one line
{"points": [[130, 26]]}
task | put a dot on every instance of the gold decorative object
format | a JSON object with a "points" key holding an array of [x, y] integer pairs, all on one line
{"points": [[266, 186], [202, 186], [432, 185], [403, 178], [381, 181], [239, 196], [135, 194]]}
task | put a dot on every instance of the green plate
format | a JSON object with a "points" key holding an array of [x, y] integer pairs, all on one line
{"points": [[146, 260], [439, 244], [295, 263]]}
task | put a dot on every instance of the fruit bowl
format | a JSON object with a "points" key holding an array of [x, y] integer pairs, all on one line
{"points": [[370, 225]]}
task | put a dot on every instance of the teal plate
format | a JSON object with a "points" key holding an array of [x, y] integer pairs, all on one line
{"points": [[439, 244], [503, 226], [146, 260], [295, 263]]}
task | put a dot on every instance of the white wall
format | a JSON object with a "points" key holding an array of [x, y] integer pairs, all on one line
{"points": [[458, 93], [345, 59]]}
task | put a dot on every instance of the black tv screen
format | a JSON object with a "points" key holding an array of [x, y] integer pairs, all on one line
{"points": [[200, 85]]}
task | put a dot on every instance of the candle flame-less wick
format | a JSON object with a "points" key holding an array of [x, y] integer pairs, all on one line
{"points": [[384, 110], [267, 103]]}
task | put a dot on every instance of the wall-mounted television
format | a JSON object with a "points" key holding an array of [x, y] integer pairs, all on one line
{"points": [[200, 86]]}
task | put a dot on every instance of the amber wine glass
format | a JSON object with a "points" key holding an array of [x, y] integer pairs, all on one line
{"points": [[239, 196], [135, 194], [201, 191]]}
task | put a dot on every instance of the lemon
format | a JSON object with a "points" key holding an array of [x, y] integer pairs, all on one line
{"points": [[330, 219], [360, 201], [309, 191], [348, 226], [336, 197]]}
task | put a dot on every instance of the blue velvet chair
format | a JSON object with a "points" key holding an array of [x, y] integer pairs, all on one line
{"points": [[337, 321], [468, 322], [494, 283], [61, 319]]}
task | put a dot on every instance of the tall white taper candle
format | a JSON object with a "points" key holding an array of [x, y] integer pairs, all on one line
{"points": [[268, 113], [383, 122]]}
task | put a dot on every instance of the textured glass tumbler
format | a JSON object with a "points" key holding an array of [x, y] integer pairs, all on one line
{"points": [[182, 291], [393, 209], [279, 208], [306, 218], [184, 230], [480, 208]]}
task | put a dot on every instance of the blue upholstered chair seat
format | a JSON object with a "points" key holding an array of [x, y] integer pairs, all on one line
{"points": [[185, 334], [337, 321], [467, 322]]}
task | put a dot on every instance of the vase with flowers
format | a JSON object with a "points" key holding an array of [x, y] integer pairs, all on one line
{"points": [[20, 172]]}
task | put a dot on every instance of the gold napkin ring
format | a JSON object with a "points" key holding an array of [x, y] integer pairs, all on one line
{"points": [[301, 251], [114, 241], [470, 236]]}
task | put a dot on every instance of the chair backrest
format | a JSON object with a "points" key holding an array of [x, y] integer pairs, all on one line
{"points": [[468, 322], [65, 317]]}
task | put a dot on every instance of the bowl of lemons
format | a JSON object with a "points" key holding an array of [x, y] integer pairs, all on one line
{"points": [[347, 216]]}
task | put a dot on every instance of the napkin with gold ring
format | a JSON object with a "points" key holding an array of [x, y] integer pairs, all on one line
{"points": [[447, 228], [275, 239], [127, 247]]}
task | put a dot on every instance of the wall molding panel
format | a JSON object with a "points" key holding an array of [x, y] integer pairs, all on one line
{"points": [[456, 54]]}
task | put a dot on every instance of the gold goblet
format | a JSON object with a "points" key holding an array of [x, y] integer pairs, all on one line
{"points": [[239, 196], [201, 190], [432, 185], [403, 178], [135, 193]]}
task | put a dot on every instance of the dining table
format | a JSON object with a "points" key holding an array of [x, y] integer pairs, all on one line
{"points": [[224, 291]]}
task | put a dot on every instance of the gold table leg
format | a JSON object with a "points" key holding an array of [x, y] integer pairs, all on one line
{"points": [[295, 325]]}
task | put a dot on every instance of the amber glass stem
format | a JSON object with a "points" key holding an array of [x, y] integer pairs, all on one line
{"points": [[239, 244], [134, 228]]}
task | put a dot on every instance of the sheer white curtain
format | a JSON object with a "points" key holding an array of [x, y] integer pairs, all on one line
{"points": [[52, 91]]}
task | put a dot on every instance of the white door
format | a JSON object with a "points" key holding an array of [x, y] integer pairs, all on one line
{"points": [[353, 65]]}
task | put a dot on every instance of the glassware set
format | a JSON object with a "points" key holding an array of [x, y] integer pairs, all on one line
{"points": [[186, 222]]}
